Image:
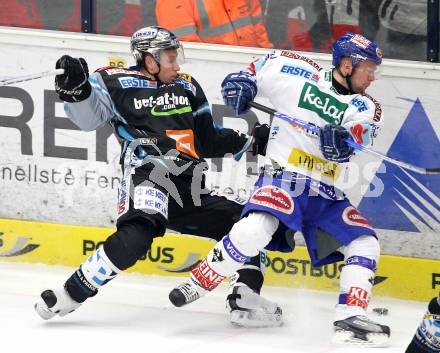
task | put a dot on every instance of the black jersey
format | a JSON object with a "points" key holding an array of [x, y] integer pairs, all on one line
{"points": [[172, 116]]}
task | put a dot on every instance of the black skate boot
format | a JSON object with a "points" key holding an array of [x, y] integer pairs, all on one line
{"points": [[186, 293], [360, 330]]}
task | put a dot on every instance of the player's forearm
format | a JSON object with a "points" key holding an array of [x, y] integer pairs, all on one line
{"points": [[224, 141], [93, 112]]}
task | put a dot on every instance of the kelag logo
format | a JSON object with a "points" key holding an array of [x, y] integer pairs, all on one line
{"points": [[326, 106], [410, 200], [20, 247]]}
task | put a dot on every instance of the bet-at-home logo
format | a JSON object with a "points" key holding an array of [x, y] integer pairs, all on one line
{"points": [[168, 104], [19, 248], [326, 106]]}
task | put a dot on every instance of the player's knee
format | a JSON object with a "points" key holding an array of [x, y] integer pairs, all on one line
{"points": [[362, 249], [129, 243], [366, 245], [254, 232]]}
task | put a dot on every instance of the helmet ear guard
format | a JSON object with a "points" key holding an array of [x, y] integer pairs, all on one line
{"points": [[138, 57]]}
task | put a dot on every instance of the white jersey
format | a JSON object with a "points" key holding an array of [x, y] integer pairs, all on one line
{"points": [[299, 87]]}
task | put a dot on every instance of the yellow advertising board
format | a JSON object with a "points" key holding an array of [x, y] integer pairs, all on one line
{"points": [[175, 255]]}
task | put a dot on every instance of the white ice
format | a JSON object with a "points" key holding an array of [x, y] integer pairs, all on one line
{"points": [[132, 314]]}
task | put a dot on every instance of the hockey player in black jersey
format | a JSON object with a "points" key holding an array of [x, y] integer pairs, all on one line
{"points": [[427, 336], [164, 118]]}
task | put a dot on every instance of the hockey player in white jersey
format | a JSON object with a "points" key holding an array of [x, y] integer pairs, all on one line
{"points": [[298, 188]]}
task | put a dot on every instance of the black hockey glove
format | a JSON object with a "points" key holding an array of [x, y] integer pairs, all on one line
{"points": [[332, 143], [260, 134], [72, 86]]}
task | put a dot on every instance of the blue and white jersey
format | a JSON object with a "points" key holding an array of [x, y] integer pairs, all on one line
{"points": [[299, 87]]}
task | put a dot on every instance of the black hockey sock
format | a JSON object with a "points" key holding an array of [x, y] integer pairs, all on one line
{"points": [[79, 288], [252, 277]]}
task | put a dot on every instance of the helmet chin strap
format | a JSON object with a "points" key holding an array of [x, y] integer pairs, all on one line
{"points": [[346, 77], [156, 75]]}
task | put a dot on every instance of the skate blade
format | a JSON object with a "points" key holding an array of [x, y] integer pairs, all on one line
{"points": [[255, 319], [373, 339], [43, 311]]}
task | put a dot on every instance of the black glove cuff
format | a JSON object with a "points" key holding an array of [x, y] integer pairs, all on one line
{"points": [[77, 95], [261, 137]]}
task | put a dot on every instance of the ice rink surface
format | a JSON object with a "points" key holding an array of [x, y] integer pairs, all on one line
{"points": [[132, 314]]}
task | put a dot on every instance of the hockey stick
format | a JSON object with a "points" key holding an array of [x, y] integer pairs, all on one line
{"points": [[315, 130], [12, 80]]}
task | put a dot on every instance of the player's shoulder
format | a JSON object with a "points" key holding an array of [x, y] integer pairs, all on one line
{"points": [[374, 104], [185, 77], [111, 70], [286, 62], [295, 57], [367, 105], [188, 82]]}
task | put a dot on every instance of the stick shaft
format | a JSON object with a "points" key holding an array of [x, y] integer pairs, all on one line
{"points": [[12, 80], [356, 146]]}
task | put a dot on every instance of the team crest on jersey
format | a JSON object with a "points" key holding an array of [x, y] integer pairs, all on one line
{"points": [[273, 197], [185, 81], [185, 76], [353, 217]]}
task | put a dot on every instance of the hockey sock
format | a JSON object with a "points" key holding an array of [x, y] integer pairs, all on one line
{"points": [[222, 261], [96, 271], [252, 272]]}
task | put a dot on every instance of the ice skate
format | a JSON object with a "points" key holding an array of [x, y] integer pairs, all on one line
{"points": [[186, 292], [249, 309], [55, 302], [360, 330]]}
